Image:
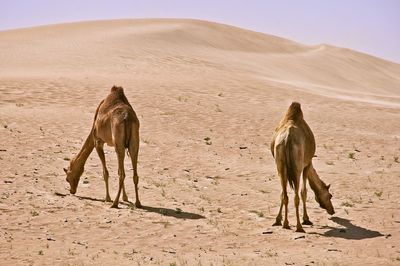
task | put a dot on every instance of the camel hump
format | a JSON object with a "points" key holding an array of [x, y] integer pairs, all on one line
{"points": [[294, 112], [117, 89]]}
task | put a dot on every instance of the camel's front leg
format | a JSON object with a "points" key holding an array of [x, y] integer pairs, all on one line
{"points": [[306, 219], [100, 152], [121, 172]]}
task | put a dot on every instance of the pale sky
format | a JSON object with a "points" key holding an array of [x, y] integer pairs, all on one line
{"points": [[370, 26]]}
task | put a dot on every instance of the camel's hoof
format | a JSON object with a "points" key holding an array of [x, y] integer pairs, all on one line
{"points": [[286, 226], [300, 230], [108, 199], [115, 206], [307, 222], [138, 204], [277, 223]]}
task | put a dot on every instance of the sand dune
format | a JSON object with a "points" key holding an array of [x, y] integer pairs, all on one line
{"points": [[189, 80]]}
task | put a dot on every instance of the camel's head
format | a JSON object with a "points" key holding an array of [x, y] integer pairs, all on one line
{"points": [[324, 199], [73, 177]]}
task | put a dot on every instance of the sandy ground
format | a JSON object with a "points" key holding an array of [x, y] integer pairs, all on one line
{"points": [[204, 203]]}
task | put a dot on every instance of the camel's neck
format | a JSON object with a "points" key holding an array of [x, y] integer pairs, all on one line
{"points": [[316, 184], [87, 148]]}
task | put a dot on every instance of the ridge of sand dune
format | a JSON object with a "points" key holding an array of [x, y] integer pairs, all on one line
{"points": [[208, 97], [181, 32], [171, 46]]}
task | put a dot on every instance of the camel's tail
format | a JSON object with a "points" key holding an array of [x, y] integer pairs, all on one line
{"points": [[290, 160], [128, 130]]}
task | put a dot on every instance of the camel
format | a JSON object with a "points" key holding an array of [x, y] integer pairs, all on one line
{"points": [[115, 123], [293, 147]]}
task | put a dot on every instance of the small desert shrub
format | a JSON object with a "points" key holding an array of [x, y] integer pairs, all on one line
{"points": [[166, 224], [347, 204], [182, 99], [259, 213], [215, 182], [158, 184], [351, 155], [207, 140]]}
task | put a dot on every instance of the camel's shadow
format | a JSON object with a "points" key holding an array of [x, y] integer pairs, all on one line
{"points": [[177, 213], [173, 213], [349, 230]]}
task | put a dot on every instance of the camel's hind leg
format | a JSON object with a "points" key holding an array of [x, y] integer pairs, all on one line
{"points": [[284, 201], [306, 219], [298, 167], [120, 149], [299, 228], [134, 152], [124, 195], [281, 167], [100, 152], [119, 141], [278, 220]]}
